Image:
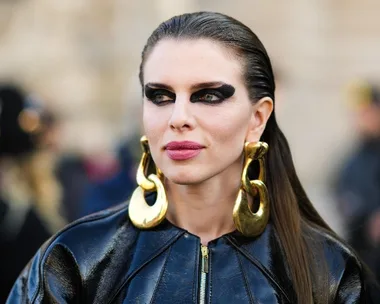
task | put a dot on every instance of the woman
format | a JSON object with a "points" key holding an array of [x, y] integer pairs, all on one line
{"points": [[220, 215], [29, 191]]}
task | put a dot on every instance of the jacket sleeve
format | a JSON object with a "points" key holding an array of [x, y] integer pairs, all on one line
{"points": [[50, 277], [357, 285]]}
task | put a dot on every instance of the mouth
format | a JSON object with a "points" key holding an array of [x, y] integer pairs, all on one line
{"points": [[183, 150]]}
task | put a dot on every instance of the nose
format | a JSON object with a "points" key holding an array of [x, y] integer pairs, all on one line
{"points": [[181, 118]]}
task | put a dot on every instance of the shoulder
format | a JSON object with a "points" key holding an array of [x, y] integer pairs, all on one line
{"points": [[335, 251], [347, 277], [88, 240], [94, 229], [70, 258]]}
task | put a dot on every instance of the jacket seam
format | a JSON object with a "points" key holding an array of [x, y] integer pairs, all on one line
{"points": [[338, 285], [245, 278], [160, 276], [210, 275], [163, 248], [196, 275], [260, 266], [341, 277]]}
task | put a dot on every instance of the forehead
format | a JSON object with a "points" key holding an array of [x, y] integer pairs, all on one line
{"points": [[188, 61]]}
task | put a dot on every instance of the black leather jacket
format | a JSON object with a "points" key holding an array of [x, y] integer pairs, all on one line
{"points": [[105, 259]]}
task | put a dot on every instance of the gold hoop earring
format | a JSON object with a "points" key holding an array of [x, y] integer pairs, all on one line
{"points": [[142, 215], [247, 222]]}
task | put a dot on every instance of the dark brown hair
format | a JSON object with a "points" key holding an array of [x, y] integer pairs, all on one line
{"points": [[291, 210]]}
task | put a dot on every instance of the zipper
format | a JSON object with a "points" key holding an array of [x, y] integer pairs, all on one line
{"points": [[204, 272]]}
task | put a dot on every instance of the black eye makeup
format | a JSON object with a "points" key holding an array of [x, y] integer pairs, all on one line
{"points": [[162, 95], [159, 96], [213, 95]]}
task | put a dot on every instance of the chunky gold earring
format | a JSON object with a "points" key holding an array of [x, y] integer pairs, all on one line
{"points": [[247, 222], [142, 215]]}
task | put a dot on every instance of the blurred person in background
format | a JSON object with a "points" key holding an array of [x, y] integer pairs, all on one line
{"points": [[29, 192], [96, 177], [112, 185], [82, 171], [358, 183], [74, 180]]}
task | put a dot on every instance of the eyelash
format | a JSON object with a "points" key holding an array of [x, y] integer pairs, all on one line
{"points": [[153, 94], [195, 97], [202, 93]]}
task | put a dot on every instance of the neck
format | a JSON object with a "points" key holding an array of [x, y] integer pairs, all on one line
{"points": [[204, 209]]}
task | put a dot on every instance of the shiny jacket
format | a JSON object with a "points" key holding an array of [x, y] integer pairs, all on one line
{"points": [[105, 259]]}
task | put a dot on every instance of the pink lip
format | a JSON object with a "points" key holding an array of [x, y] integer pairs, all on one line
{"points": [[183, 150]]}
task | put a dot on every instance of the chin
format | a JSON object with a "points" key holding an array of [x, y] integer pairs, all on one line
{"points": [[184, 178]]}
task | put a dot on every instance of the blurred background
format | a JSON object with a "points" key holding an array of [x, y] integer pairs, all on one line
{"points": [[76, 61]]}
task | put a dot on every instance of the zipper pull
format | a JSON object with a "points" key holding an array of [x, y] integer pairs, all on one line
{"points": [[204, 250]]}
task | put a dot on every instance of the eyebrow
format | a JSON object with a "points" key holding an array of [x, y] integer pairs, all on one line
{"points": [[197, 86], [157, 85]]}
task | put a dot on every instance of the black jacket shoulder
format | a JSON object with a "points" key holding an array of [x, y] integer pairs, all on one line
{"points": [[100, 259], [74, 253]]}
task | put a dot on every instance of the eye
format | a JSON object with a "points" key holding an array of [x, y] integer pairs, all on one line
{"points": [[213, 95], [159, 96], [208, 97]]}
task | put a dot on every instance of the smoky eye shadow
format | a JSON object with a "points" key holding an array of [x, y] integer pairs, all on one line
{"points": [[150, 92], [223, 92], [226, 90]]}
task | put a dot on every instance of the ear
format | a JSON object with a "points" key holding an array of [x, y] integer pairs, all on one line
{"points": [[261, 112]]}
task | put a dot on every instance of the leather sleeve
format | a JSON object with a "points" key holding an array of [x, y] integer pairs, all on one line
{"points": [[50, 277], [356, 285]]}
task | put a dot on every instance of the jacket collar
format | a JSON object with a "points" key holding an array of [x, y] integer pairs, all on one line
{"points": [[266, 253], [263, 251], [151, 243]]}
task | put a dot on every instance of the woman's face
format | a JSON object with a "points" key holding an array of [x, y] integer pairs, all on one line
{"points": [[197, 114]]}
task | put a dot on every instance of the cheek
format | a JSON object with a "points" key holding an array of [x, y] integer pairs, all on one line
{"points": [[153, 120], [155, 123], [147, 119], [228, 126]]}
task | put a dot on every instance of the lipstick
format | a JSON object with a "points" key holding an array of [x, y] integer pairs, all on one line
{"points": [[183, 150]]}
